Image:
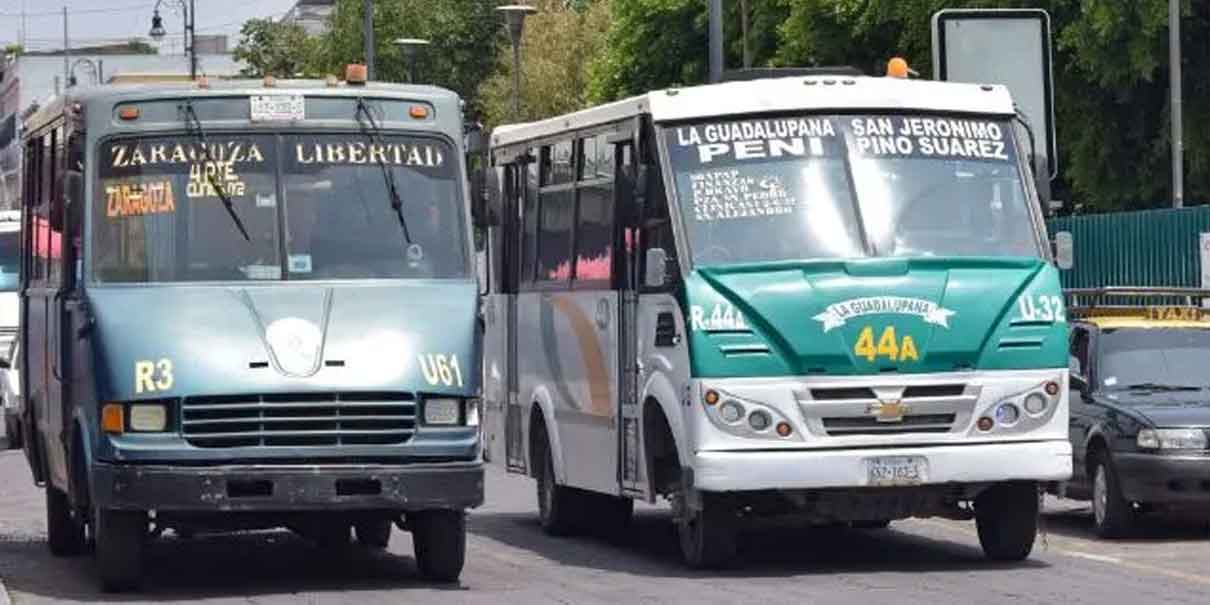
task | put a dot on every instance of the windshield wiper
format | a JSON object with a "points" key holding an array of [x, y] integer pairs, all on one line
{"points": [[194, 126], [1155, 386], [388, 176]]}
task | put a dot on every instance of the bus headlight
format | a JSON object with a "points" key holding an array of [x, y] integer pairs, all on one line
{"points": [[442, 411], [148, 418]]}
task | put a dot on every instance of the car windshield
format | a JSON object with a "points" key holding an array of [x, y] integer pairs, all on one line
{"points": [[160, 218], [10, 260], [849, 187], [1154, 358]]}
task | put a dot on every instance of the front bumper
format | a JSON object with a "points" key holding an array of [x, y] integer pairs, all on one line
{"points": [[1164, 479], [819, 469], [248, 488]]}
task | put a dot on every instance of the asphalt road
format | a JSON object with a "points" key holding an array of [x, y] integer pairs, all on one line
{"points": [[510, 560]]}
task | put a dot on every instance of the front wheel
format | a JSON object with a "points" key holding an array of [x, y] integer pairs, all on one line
{"points": [[1112, 514], [374, 533], [120, 536], [707, 535], [64, 533], [1006, 516], [559, 507], [439, 542]]}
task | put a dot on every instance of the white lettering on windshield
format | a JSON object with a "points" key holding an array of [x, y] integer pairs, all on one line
{"points": [[124, 155], [358, 153]]}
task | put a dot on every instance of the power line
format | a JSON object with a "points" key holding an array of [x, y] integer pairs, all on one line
{"points": [[80, 11]]}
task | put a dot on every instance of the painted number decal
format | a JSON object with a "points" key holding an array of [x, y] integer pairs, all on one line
{"points": [[888, 346], [152, 376], [1040, 308], [441, 370]]}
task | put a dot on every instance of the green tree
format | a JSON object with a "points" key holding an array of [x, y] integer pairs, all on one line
{"points": [[558, 47], [463, 36], [268, 47]]}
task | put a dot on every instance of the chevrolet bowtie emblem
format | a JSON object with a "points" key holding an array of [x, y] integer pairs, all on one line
{"points": [[888, 410]]}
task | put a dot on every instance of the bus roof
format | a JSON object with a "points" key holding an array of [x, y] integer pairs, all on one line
{"points": [[775, 95], [136, 91]]}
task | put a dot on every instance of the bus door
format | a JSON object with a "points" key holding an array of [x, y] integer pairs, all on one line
{"points": [[503, 434], [630, 416]]}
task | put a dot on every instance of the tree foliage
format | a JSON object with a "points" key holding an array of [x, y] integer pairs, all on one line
{"points": [[463, 36], [559, 44], [1110, 69], [269, 47]]}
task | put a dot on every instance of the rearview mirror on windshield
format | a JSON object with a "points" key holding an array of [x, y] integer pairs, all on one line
{"points": [[657, 268], [1064, 250]]}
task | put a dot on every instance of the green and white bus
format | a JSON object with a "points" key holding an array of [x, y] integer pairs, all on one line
{"points": [[825, 297]]}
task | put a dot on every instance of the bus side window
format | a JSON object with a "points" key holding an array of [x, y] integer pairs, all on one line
{"points": [[556, 215], [594, 237], [54, 208], [529, 224]]}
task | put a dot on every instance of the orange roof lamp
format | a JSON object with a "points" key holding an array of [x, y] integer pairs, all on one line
{"points": [[897, 67], [355, 74]]}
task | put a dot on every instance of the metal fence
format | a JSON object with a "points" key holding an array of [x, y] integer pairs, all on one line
{"points": [[1139, 248]]}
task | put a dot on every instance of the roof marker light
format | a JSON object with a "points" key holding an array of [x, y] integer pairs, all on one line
{"points": [[128, 112], [355, 73], [418, 112], [898, 67]]}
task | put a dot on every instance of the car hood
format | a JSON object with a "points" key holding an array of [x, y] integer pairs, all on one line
{"points": [[285, 338], [1168, 410]]}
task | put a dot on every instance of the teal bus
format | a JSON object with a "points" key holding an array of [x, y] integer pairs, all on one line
{"points": [[250, 304]]}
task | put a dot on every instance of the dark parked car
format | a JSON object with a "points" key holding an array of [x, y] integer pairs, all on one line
{"points": [[1140, 406]]}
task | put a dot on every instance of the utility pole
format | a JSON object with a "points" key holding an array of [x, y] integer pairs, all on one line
{"points": [[716, 40], [368, 10], [66, 51], [1174, 67]]}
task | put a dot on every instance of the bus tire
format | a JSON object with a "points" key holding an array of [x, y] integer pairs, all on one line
{"points": [[558, 506], [707, 536], [439, 543], [64, 533], [120, 538], [1006, 516], [374, 533]]}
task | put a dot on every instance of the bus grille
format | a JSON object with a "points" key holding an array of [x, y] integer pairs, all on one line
{"points": [[920, 423], [298, 419]]}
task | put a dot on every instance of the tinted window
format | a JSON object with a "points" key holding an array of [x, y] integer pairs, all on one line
{"points": [[10, 260], [594, 235], [1160, 356], [554, 235]]}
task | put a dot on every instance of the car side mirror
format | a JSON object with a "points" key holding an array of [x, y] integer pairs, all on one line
{"points": [[657, 268], [1064, 250]]}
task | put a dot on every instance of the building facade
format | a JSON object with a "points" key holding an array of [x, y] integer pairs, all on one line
{"points": [[312, 15]]}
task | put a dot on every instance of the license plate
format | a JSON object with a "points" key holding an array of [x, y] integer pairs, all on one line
{"points": [[896, 470], [277, 108]]}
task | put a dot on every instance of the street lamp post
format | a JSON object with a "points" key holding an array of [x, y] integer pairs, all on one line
{"points": [[411, 47], [514, 17], [157, 31], [92, 67]]}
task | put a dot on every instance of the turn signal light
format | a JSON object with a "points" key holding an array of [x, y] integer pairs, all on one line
{"points": [[1052, 388], [711, 397], [784, 429], [418, 112], [985, 424], [112, 419]]}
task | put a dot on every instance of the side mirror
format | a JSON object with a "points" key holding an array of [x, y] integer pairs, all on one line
{"points": [[1065, 250], [478, 186], [1041, 180], [657, 268]]}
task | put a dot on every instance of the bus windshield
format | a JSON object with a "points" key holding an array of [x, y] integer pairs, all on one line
{"points": [[850, 187], [315, 206]]}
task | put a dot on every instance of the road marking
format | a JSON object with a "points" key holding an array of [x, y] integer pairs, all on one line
{"points": [[1068, 552]]}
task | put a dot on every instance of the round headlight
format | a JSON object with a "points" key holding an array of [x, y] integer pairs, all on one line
{"points": [[1035, 403], [759, 420], [731, 411], [1007, 414]]}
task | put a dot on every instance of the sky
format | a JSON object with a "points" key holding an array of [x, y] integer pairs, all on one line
{"points": [[101, 21]]}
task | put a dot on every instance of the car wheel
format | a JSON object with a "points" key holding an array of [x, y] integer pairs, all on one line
{"points": [[64, 533], [439, 542], [1006, 516], [120, 537], [1112, 515]]}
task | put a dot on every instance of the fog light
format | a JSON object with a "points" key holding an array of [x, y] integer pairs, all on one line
{"points": [[1007, 414], [441, 411], [148, 418], [784, 429], [985, 424], [1035, 403], [731, 411], [759, 420]]}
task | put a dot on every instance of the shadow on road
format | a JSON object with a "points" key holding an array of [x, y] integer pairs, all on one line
{"points": [[239, 565], [651, 548]]}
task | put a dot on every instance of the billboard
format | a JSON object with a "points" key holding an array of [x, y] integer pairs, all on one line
{"points": [[1003, 46]]}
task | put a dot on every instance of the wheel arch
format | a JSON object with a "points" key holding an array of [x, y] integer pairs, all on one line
{"points": [[661, 412], [542, 409]]}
